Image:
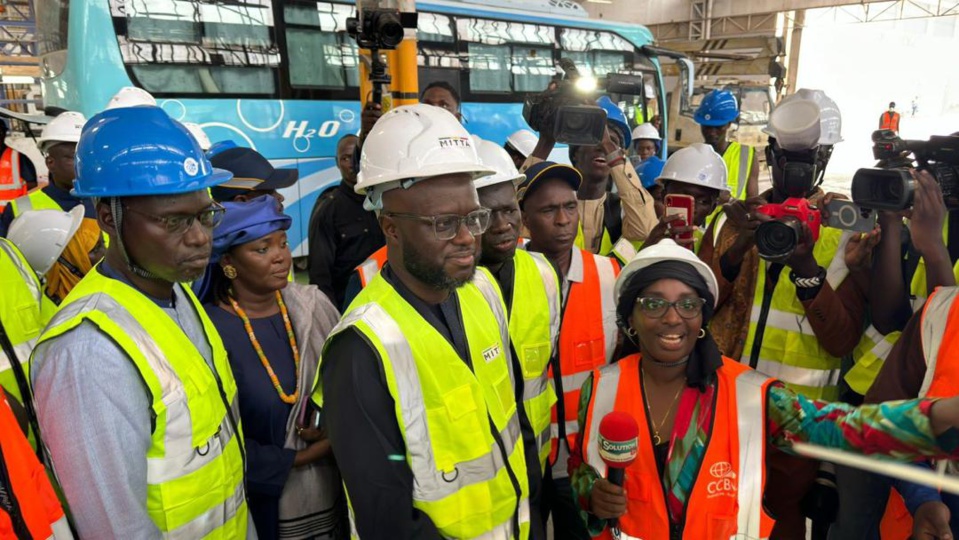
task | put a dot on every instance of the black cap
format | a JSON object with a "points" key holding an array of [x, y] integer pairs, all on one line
{"points": [[545, 170], [252, 171]]}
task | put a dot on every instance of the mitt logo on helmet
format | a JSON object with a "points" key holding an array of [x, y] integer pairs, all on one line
{"points": [[455, 142]]}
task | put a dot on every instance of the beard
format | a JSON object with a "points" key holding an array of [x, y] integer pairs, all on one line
{"points": [[431, 274]]}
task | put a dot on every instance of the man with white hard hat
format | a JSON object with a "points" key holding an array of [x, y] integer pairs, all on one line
{"points": [[530, 288], [58, 143], [699, 172], [520, 144], [790, 317], [416, 382]]}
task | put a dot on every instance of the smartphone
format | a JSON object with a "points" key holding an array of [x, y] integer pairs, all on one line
{"points": [[683, 206], [849, 216]]}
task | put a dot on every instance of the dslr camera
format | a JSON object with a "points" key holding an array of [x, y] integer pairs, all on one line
{"points": [[776, 240], [890, 185], [562, 109], [379, 29]]}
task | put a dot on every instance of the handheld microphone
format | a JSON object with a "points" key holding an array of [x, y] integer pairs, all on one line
{"points": [[618, 433]]}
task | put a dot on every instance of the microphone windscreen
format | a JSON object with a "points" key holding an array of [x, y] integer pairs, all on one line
{"points": [[618, 433]]}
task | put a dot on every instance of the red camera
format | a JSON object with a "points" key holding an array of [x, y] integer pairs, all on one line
{"points": [[777, 239]]}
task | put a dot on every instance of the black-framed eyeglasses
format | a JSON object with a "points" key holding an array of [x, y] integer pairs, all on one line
{"points": [[655, 308], [208, 218], [446, 226]]}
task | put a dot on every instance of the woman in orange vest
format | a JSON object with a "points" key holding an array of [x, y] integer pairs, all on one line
{"points": [[29, 507], [705, 420]]}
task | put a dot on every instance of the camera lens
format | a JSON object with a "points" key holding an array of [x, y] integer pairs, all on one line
{"points": [[389, 29], [776, 240]]}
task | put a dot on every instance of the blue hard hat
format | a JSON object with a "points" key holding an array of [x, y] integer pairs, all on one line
{"points": [[650, 170], [219, 147], [718, 108], [135, 151], [615, 115]]}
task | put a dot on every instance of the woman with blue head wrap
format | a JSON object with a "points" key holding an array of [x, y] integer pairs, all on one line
{"points": [[273, 331]]}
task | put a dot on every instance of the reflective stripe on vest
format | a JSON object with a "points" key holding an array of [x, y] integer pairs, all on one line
{"points": [[20, 313], [12, 185], [587, 340], [938, 329], [739, 161], [445, 411], [790, 350], [195, 463], [533, 329], [371, 266], [36, 200], [732, 469], [868, 358]]}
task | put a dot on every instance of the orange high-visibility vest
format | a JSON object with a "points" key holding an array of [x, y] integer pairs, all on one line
{"points": [[889, 120], [368, 269], [726, 499], [39, 508], [12, 185], [587, 339]]}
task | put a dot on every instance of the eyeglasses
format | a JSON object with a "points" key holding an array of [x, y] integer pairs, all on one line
{"points": [[446, 226], [181, 223], [687, 308]]}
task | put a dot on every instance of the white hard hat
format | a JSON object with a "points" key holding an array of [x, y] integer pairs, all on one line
{"points": [[415, 142], [42, 235], [666, 250], [648, 90], [198, 134], [66, 127], [795, 124], [524, 141], [830, 118], [495, 156], [646, 131], [131, 96], [697, 164]]}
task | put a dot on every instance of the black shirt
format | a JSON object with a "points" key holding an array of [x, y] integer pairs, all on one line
{"points": [[342, 235]]}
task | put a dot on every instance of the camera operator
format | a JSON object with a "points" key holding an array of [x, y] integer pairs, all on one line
{"points": [[439, 94], [598, 164], [795, 326]]}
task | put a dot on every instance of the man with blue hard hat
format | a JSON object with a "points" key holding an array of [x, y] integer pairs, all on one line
{"points": [[717, 111], [134, 393]]}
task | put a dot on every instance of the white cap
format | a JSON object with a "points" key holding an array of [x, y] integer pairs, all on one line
{"points": [[830, 117], [795, 124], [66, 127], [42, 235], [131, 96], [697, 164], [666, 250], [646, 131], [414, 142], [198, 134], [524, 141], [495, 156]]}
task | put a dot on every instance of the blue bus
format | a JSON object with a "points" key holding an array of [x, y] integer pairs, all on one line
{"points": [[282, 76]]}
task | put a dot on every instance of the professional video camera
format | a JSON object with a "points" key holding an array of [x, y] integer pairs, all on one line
{"points": [[890, 185], [776, 240], [563, 109], [379, 27]]}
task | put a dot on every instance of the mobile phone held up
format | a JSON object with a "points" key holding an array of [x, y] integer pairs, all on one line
{"points": [[849, 216], [683, 206]]}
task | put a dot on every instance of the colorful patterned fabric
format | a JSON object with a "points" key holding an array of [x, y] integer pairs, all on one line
{"points": [[898, 429]]}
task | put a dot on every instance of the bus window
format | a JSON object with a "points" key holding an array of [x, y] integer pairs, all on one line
{"points": [[532, 68], [52, 24], [320, 53], [595, 53], [433, 27], [175, 48], [489, 68]]}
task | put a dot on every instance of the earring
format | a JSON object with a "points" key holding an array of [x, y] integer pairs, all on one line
{"points": [[630, 332], [702, 333], [229, 271]]}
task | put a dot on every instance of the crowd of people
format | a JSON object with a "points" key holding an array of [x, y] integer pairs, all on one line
{"points": [[474, 314]]}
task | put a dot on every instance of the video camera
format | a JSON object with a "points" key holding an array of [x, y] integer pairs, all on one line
{"points": [[776, 240], [563, 111], [890, 185], [379, 28]]}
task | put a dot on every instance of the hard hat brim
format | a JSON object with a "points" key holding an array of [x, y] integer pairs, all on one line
{"points": [[215, 178]]}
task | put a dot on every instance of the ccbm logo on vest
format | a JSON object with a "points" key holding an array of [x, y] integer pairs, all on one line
{"points": [[723, 482]]}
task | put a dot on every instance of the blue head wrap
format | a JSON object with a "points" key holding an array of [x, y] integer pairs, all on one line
{"points": [[245, 222]]}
